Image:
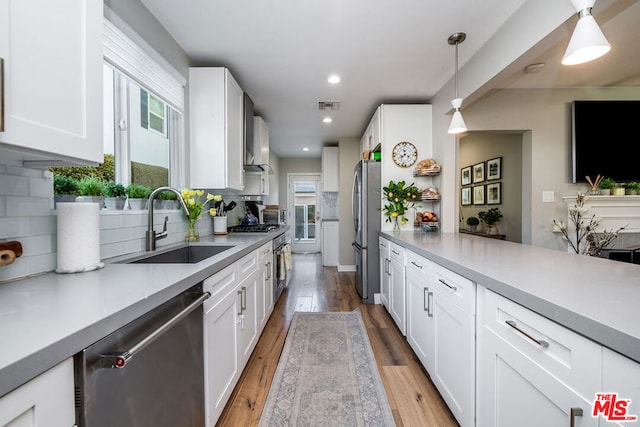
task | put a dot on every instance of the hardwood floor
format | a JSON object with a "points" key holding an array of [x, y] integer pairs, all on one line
{"points": [[413, 399]]}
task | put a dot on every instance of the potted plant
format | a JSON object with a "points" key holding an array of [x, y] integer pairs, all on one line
{"points": [[138, 196], [606, 185], [65, 189], [166, 200], [114, 196], [473, 222], [400, 197], [619, 189], [91, 189], [491, 217], [633, 188]]}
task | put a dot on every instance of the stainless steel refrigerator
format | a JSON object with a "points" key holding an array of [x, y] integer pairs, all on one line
{"points": [[366, 220]]}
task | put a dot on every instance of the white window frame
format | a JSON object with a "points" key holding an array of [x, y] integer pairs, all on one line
{"points": [[141, 63]]}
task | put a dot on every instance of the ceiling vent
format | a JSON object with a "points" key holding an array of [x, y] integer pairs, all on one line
{"points": [[328, 105]]}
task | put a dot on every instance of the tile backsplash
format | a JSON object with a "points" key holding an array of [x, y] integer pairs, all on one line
{"points": [[27, 215]]}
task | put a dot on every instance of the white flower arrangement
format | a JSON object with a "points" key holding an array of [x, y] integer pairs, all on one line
{"points": [[586, 241]]}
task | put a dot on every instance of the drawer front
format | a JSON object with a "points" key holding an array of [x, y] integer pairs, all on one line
{"points": [[248, 264], [460, 290], [383, 246], [573, 359], [418, 264], [265, 251], [396, 252], [220, 285]]}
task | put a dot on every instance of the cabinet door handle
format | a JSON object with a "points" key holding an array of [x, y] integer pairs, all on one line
{"points": [[429, 305], [453, 288], [397, 253], [268, 270], [425, 299], [243, 302], [575, 412], [416, 264], [541, 343], [240, 294]]}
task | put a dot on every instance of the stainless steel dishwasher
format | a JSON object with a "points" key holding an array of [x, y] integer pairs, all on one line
{"points": [[147, 373]]}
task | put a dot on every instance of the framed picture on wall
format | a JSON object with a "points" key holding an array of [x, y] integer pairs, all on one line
{"points": [[494, 193], [478, 195], [465, 196], [478, 172], [465, 176], [494, 169]]}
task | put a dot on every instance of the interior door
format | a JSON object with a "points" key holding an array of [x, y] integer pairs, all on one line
{"points": [[303, 201]]}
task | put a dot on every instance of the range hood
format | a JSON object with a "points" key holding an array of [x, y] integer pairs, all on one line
{"points": [[253, 149]]}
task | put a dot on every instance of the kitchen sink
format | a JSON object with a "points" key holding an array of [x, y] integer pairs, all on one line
{"points": [[183, 255]]}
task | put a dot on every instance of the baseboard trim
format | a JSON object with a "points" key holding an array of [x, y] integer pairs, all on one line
{"points": [[346, 267]]}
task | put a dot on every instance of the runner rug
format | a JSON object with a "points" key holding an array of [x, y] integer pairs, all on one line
{"points": [[327, 375]]}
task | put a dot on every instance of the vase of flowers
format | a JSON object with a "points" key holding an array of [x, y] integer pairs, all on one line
{"points": [[399, 197], [584, 239], [195, 204]]}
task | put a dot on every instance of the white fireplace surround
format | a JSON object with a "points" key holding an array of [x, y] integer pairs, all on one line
{"points": [[614, 212]]}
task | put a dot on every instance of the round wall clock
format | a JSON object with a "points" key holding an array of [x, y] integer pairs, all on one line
{"points": [[405, 154]]}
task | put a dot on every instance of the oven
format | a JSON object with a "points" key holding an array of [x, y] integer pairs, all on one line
{"points": [[280, 253]]}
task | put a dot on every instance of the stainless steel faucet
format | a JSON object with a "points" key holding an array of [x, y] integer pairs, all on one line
{"points": [[152, 236]]}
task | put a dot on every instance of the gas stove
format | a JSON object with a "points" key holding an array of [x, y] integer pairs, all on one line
{"points": [[259, 228]]}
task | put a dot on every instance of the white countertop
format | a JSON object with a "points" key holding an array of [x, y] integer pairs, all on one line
{"points": [[597, 298], [47, 319]]}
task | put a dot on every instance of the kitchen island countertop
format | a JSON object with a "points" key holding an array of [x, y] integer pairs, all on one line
{"points": [[597, 298], [48, 318]]}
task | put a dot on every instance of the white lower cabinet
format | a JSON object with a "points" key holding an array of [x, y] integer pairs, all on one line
{"points": [[385, 270], [532, 371], [621, 375], [264, 294], [397, 297], [231, 329], [420, 322], [47, 400]]}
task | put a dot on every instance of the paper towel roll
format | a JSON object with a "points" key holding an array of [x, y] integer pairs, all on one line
{"points": [[78, 237]]}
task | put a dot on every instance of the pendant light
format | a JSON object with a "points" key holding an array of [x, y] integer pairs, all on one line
{"points": [[587, 42], [457, 122]]}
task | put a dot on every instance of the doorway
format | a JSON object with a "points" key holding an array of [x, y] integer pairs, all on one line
{"points": [[303, 200]]}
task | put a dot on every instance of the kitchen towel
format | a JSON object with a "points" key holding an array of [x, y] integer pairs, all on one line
{"points": [[78, 237]]}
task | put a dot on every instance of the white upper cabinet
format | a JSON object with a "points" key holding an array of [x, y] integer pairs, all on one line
{"points": [[257, 183], [331, 169], [52, 72], [215, 147]]}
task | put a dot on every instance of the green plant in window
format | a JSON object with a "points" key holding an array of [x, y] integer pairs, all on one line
{"points": [[137, 191], [607, 184], [64, 185], [167, 195], [91, 186], [115, 190]]}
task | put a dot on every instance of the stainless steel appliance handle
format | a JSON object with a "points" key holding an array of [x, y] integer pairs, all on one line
{"points": [[541, 343], [353, 202], [120, 360], [575, 412]]}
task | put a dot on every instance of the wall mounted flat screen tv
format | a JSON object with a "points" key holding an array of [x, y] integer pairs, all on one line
{"points": [[605, 140]]}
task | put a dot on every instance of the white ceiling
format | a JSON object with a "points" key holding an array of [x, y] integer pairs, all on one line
{"points": [[282, 51]]}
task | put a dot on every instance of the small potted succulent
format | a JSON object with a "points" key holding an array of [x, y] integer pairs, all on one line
{"points": [[606, 185], [114, 196], [491, 218], [473, 222], [91, 189], [633, 188], [138, 196], [65, 189]]}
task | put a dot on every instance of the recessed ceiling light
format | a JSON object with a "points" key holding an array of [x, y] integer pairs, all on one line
{"points": [[305, 149], [327, 120], [334, 79]]}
